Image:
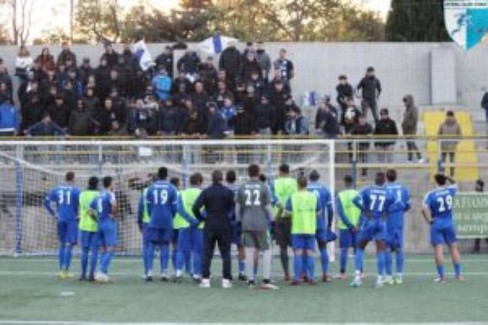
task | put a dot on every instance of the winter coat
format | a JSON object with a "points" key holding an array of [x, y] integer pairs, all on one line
{"points": [[385, 128], [296, 126], [364, 130], [447, 130], [371, 88], [410, 117], [484, 101], [80, 122], [230, 61]]}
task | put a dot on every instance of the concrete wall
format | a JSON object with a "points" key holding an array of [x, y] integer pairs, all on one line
{"points": [[402, 68]]}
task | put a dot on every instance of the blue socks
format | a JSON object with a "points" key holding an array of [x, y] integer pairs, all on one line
{"points": [[380, 263], [164, 258], [388, 262], [84, 261], [188, 266], [61, 257], [145, 252], [197, 263], [358, 259], [311, 267], [105, 261], [440, 270], [68, 254], [150, 257], [174, 254], [180, 261], [93, 261], [343, 260], [400, 260], [242, 266], [298, 266], [324, 259], [457, 269]]}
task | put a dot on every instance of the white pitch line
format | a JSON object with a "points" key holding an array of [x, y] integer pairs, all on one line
{"points": [[15, 322]]}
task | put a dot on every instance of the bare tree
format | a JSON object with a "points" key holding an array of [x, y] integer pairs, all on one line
{"points": [[20, 12]]}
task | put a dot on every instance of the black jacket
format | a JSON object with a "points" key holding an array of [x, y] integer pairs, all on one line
{"points": [[230, 61], [386, 128], [219, 204], [371, 87], [264, 116], [484, 102]]}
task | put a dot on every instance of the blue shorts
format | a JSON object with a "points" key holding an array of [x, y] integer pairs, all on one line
{"points": [[236, 234], [347, 238], [190, 239], [68, 232], [321, 237], [174, 236], [442, 233], [395, 238], [88, 239], [373, 230], [107, 234], [159, 236], [303, 242]]}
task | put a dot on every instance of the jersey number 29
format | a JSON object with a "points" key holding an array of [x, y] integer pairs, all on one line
{"points": [[445, 203]]}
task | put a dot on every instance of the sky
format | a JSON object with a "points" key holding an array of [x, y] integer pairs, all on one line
{"points": [[54, 14]]}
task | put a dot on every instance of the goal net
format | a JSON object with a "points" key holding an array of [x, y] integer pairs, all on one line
{"points": [[31, 168]]}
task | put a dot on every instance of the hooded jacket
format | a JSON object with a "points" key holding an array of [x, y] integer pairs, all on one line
{"points": [[410, 116]]}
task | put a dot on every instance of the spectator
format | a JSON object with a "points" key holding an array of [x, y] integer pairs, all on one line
{"points": [[285, 66], [345, 92], [60, 112], [296, 123], [170, 118], [200, 97], [264, 61], [257, 83], [278, 98], [194, 121], [217, 125], [385, 127], [326, 121], [480, 188], [23, 62], [9, 119], [90, 101], [189, 64], [128, 56], [230, 61], [162, 85], [46, 60], [110, 56], [66, 55], [208, 75], [107, 121], [264, 116], [32, 111], [81, 120], [484, 105], [5, 95], [222, 77], [409, 128], [229, 112], [249, 65], [102, 79], [362, 130], [371, 90], [85, 71], [165, 60], [180, 81], [245, 123], [277, 79], [5, 78], [447, 131], [126, 76], [222, 93], [45, 127]]}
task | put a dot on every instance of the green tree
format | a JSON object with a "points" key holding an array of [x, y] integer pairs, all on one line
{"points": [[416, 21], [98, 20]]}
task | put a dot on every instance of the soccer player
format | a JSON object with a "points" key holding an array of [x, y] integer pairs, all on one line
{"points": [[254, 211], [162, 199], [88, 231], [177, 224], [394, 227], [190, 238], [324, 225], [349, 215], [437, 211], [67, 202], [218, 202], [104, 207], [230, 179], [303, 207], [283, 187], [375, 202], [143, 219]]}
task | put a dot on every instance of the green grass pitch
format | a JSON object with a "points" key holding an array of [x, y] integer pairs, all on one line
{"points": [[30, 291]]}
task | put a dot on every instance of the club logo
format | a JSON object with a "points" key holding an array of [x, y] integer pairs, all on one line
{"points": [[467, 21]]}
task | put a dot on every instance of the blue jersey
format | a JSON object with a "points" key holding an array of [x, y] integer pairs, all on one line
{"points": [[402, 204], [162, 203], [376, 200], [325, 199], [234, 188], [102, 204], [440, 202], [67, 202]]}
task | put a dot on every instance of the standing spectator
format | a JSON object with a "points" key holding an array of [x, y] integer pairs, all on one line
{"points": [[169, 118], [180, 81], [217, 125], [362, 130], [85, 71], [66, 55], [277, 79], [278, 98], [200, 97], [5, 78], [230, 61], [296, 123], [162, 85], [90, 101], [80, 120], [385, 127], [60, 112], [110, 56], [326, 121], [448, 130], [218, 202], [45, 127], [284, 65], [106, 121], [229, 112], [9, 119], [484, 105], [102, 79], [371, 90], [208, 75], [409, 127], [257, 83], [345, 92], [249, 65], [194, 121], [32, 111], [23, 62], [5, 94], [189, 64], [222, 93], [245, 123], [264, 116], [46, 60], [264, 61], [165, 60]]}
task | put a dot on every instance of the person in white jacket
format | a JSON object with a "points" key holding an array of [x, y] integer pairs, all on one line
{"points": [[23, 62]]}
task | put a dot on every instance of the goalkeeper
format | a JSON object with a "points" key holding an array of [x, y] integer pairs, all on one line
{"points": [[88, 231]]}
